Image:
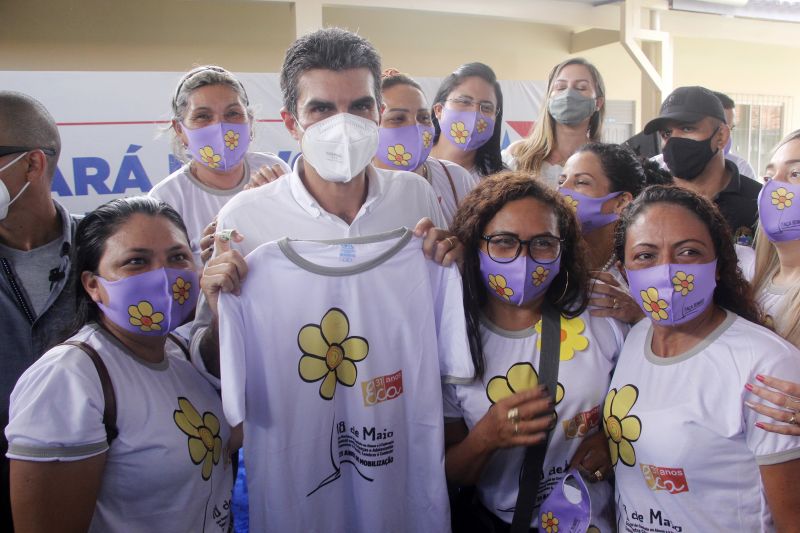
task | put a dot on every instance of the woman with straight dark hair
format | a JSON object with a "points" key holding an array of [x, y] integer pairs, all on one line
{"points": [[523, 252], [687, 452], [468, 118], [571, 115], [114, 430]]}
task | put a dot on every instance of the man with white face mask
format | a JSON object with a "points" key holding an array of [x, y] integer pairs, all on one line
{"points": [[37, 298]]}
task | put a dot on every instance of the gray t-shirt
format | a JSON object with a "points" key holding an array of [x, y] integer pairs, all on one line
{"points": [[32, 269]]}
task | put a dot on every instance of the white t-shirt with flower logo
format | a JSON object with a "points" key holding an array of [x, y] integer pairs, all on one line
{"points": [[589, 350], [169, 468], [686, 448], [333, 357]]}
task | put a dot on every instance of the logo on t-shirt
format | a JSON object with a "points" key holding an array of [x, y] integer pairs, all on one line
{"points": [[382, 388], [672, 480], [580, 424]]}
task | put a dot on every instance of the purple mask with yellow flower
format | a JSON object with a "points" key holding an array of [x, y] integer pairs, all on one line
{"points": [[405, 148], [568, 508], [467, 130], [219, 146], [672, 294], [779, 211], [519, 281], [588, 209], [152, 303]]}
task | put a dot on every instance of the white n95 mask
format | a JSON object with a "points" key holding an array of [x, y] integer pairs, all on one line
{"points": [[340, 146], [5, 196]]}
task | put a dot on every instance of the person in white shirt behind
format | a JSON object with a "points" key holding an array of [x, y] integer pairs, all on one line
{"points": [[212, 126], [405, 141], [331, 92]]}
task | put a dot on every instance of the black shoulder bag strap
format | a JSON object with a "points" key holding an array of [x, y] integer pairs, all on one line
{"points": [[534, 455], [110, 411], [177, 340]]}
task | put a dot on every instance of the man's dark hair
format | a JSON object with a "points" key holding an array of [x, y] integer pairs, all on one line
{"points": [[332, 49], [727, 101]]}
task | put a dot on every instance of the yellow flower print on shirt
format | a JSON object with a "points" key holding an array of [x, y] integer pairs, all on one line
{"points": [[397, 155], [142, 315], [571, 339], [549, 522], [180, 290], [459, 133], [520, 377], [654, 305], [210, 159], [620, 426], [329, 354], [205, 444], [498, 284], [683, 283], [427, 139], [231, 139], [781, 198], [539, 275]]}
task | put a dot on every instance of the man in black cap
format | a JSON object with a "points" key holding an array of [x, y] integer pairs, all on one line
{"points": [[693, 127]]}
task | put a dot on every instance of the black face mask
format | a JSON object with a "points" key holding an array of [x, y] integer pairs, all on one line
{"points": [[686, 158]]}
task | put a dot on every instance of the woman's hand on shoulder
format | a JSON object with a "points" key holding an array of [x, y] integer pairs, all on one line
{"points": [[785, 396], [611, 300]]}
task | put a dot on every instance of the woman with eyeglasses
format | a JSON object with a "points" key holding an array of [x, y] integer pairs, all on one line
{"points": [[571, 115], [467, 118], [405, 140], [777, 278], [522, 249], [688, 454], [212, 127]]}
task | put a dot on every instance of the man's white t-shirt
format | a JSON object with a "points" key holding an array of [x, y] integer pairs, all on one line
{"points": [[450, 189], [198, 203], [687, 446], [285, 208], [333, 357], [589, 349], [168, 469]]}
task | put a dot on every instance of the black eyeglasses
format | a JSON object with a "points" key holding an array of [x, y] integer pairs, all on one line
{"points": [[505, 247], [5, 150]]}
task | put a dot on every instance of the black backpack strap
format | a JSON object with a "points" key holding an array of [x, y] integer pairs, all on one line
{"points": [[450, 179], [534, 455], [110, 411], [177, 340]]}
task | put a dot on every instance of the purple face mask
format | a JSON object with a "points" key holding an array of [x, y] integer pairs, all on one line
{"points": [[405, 148], [467, 130], [779, 211], [519, 281], [588, 209], [728, 145], [152, 303], [219, 146], [672, 294], [568, 506]]}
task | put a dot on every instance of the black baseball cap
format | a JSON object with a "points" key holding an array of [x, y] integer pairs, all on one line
{"points": [[687, 104]]}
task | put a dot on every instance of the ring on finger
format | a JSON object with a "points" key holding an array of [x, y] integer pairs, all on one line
{"points": [[513, 415], [452, 241], [516, 428], [598, 475], [793, 419], [615, 305]]}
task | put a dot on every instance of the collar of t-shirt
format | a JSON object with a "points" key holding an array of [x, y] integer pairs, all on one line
{"points": [[375, 188], [735, 184]]}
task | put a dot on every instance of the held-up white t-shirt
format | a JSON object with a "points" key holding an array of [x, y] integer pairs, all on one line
{"points": [[198, 203], [168, 470], [462, 182], [333, 357], [687, 448], [588, 352]]}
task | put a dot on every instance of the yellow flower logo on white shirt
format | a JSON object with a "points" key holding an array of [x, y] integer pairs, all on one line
{"points": [[205, 444], [520, 377], [620, 426], [571, 339]]}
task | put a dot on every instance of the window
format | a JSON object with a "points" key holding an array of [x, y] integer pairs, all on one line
{"points": [[759, 126]]}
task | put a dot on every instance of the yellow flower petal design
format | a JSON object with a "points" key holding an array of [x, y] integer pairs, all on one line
{"points": [[607, 404], [191, 413], [624, 400], [183, 423], [217, 449], [208, 466], [355, 348], [571, 339], [335, 326], [134, 311], [197, 450], [311, 341], [346, 373], [631, 428], [157, 317], [312, 368], [621, 428], [522, 376], [135, 321], [328, 387], [498, 389], [626, 453], [211, 422]]}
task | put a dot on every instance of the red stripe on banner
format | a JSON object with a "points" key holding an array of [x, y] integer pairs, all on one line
{"points": [[139, 122]]}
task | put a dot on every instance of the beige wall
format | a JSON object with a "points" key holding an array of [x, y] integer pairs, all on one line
{"points": [[252, 36]]}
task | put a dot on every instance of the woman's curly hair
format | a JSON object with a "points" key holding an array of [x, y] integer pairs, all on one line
{"points": [[733, 292], [568, 292]]}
